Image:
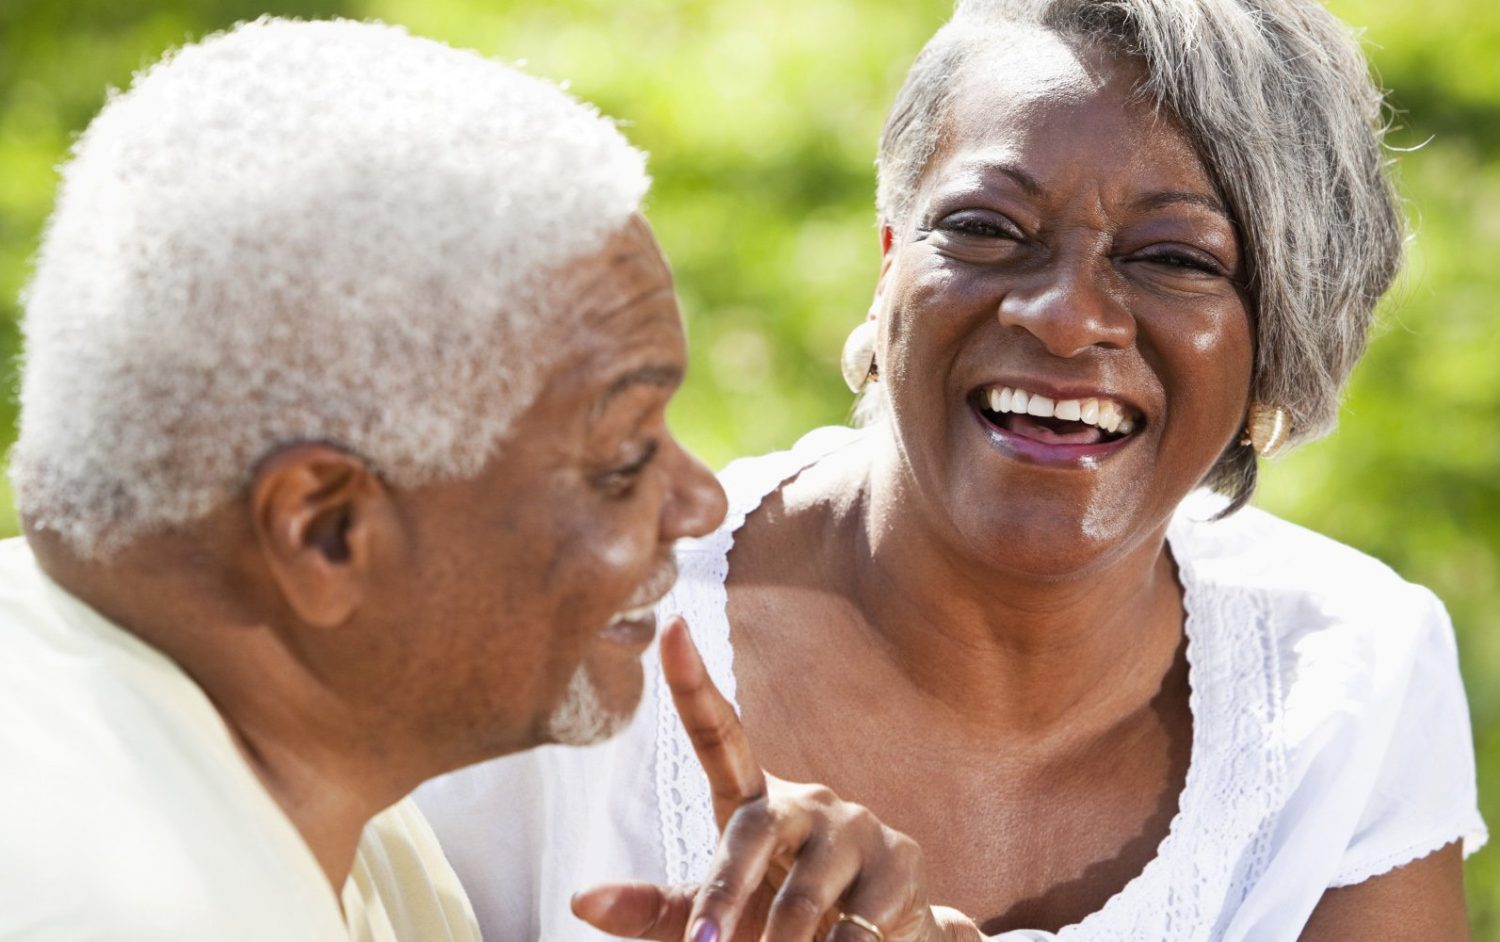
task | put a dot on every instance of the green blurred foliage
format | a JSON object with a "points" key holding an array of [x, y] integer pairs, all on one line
{"points": [[761, 120]]}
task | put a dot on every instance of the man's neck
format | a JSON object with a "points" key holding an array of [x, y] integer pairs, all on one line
{"points": [[323, 788], [325, 766]]}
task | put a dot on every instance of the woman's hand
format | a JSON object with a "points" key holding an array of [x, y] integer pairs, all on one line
{"points": [[792, 860]]}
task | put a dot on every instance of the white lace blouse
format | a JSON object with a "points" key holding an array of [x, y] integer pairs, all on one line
{"points": [[1331, 743]]}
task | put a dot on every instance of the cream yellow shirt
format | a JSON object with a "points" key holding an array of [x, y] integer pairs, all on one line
{"points": [[401, 888], [129, 814]]}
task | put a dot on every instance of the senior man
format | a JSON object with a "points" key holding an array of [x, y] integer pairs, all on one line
{"points": [[343, 462]]}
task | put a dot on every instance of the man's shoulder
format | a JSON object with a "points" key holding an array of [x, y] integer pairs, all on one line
{"points": [[21, 582], [14, 551], [124, 803], [82, 887], [127, 872], [83, 864]]}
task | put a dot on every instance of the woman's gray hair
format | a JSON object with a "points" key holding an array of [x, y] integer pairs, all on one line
{"points": [[1280, 104]]}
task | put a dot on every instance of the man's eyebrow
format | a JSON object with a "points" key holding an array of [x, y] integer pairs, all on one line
{"points": [[663, 375]]}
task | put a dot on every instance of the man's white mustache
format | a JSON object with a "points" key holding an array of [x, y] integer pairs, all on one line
{"points": [[657, 585]]}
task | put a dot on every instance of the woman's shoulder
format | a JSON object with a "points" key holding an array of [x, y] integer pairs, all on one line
{"points": [[1306, 576], [1337, 635], [747, 482], [1348, 655], [1319, 669]]}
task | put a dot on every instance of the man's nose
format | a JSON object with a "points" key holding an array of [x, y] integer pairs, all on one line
{"points": [[1069, 308], [695, 504]]}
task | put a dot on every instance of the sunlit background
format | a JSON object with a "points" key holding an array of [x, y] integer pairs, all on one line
{"points": [[761, 119]]}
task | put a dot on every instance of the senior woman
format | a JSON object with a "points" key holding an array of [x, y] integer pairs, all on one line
{"points": [[1130, 248]]}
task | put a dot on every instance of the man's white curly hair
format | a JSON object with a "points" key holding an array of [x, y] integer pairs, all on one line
{"points": [[300, 231]]}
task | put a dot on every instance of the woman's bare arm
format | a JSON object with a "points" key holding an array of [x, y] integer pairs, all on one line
{"points": [[1423, 900]]}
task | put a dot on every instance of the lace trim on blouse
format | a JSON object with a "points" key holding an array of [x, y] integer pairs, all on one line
{"points": [[1220, 837]]}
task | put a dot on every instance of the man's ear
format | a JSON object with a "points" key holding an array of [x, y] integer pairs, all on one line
{"points": [[319, 515]]}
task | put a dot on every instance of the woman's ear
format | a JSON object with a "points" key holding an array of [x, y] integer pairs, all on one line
{"points": [[319, 514], [887, 239]]}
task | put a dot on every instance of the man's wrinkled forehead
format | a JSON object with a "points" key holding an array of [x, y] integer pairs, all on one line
{"points": [[616, 322], [627, 271]]}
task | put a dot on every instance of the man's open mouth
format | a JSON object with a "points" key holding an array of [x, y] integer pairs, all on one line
{"points": [[636, 622], [1091, 421]]}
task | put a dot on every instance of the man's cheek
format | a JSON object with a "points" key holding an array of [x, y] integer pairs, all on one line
{"points": [[620, 552]]}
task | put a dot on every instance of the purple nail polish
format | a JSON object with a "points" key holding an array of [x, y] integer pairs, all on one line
{"points": [[705, 931]]}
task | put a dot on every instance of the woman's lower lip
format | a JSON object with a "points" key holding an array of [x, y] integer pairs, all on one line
{"points": [[1047, 453]]}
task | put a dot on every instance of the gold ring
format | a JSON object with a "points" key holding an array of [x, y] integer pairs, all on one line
{"points": [[864, 924]]}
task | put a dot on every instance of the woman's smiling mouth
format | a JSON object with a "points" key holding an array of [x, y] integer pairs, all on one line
{"points": [[1054, 431]]}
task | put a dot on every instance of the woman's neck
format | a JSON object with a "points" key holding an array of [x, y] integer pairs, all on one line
{"points": [[1008, 648]]}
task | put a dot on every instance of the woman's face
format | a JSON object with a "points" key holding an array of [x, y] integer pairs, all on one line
{"points": [[1066, 242]]}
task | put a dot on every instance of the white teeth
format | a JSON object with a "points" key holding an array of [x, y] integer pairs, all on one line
{"points": [[634, 614], [1109, 416], [1104, 413]]}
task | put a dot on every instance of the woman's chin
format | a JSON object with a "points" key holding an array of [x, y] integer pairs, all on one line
{"points": [[1046, 528], [1024, 513], [1034, 545]]}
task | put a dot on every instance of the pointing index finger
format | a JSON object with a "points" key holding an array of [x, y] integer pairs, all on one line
{"points": [[714, 728]]}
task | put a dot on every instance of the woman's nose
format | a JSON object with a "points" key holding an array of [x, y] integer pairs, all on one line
{"points": [[1068, 310], [695, 504]]}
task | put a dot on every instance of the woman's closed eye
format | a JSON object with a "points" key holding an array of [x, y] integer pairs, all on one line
{"points": [[1181, 260], [980, 224], [619, 480], [980, 237]]}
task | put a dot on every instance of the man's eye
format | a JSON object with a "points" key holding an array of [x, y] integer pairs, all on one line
{"points": [[619, 480]]}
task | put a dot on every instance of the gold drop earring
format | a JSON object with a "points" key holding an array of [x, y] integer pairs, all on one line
{"points": [[1267, 429], [858, 359]]}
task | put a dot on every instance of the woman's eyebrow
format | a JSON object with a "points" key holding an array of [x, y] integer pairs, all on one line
{"points": [[1163, 198], [1028, 183], [1154, 200], [1022, 179]]}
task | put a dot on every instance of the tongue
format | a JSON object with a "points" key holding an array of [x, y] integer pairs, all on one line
{"points": [[1070, 433]]}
